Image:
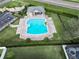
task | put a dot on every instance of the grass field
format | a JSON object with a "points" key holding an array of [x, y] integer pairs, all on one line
{"points": [[71, 24], [37, 52], [1, 51], [16, 3]]}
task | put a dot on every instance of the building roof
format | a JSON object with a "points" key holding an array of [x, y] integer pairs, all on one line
{"points": [[34, 8]]}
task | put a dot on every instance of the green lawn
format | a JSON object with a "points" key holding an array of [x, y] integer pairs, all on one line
{"points": [[36, 52], [71, 23], [1, 51], [15, 4]]}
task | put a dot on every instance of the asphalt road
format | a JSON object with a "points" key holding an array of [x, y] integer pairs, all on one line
{"points": [[4, 1], [61, 3]]}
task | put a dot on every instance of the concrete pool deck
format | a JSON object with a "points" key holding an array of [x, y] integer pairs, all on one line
{"points": [[22, 28]]}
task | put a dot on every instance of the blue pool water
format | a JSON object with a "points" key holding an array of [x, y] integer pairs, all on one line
{"points": [[36, 26]]}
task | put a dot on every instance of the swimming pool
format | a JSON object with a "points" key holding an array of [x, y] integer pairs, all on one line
{"points": [[36, 26]]}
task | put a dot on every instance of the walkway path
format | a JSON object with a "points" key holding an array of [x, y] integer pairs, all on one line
{"points": [[61, 3], [13, 26]]}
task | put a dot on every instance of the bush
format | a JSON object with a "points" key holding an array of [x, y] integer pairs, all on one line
{"points": [[28, 40], [31, 5], [18, 35], [46, 39]]}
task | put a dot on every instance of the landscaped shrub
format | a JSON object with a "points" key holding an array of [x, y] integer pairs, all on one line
{"points": [[21, 13], [25, 9], [46, 39], [18, 35], [30, 5], [28, 40]]}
